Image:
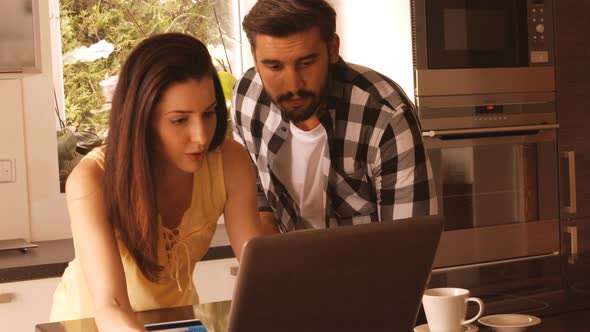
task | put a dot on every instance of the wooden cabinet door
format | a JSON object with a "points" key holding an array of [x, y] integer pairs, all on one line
{"points": [[26, 303], [576, 249], [572, 65], [215, 279]]}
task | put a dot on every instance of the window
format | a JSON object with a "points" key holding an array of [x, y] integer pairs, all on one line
{"points": [[97, 35]]}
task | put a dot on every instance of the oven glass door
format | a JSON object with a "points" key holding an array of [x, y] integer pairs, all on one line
{"points": [[495, 179], [498, 192], [477, 33]]}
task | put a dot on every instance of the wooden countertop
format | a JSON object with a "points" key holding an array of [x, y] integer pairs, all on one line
{"points": [[47, 260], [213, 315], [50, 258]]}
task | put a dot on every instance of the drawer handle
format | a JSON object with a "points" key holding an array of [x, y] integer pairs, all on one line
{"points": [[6, 297], [573, 256]]}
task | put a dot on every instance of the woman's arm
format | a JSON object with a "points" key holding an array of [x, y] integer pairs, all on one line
{"points": [[96, 249], [242, 220], [269, 224]]}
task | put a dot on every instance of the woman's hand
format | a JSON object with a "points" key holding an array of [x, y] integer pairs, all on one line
{"points": [[116, 319]]}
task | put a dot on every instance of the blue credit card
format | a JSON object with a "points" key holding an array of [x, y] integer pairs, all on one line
{"points": [[196, 329]]}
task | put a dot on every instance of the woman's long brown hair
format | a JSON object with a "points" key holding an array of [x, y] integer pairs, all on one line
{"points": [[153, 65]]}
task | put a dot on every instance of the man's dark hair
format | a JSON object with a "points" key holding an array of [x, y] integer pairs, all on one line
{"points": [[280, 18]]}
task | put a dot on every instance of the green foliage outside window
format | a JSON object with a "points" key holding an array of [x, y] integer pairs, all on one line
{"points": [[123, 24]]}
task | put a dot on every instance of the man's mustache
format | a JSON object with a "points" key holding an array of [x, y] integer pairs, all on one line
{"points": [[300, 93]]}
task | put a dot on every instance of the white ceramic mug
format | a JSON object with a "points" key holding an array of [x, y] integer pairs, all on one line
{"points": [[445, 308]]}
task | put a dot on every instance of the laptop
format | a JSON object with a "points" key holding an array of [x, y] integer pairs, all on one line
{"points": [[366, 277]]}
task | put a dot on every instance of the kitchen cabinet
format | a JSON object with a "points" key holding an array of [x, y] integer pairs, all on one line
{"points": [[572, 65], [576, 247], [19, 40], [26, 303], [215, 279]]}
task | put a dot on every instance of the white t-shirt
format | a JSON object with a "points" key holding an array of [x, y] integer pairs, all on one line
{"points": [[299, 166]]}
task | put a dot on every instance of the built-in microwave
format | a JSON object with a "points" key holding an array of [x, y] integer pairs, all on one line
{"points": [[466, 47]]}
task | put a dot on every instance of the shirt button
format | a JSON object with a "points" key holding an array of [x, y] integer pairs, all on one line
{"points": [[283, 129]]}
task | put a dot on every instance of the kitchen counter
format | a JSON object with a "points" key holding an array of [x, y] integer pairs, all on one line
{"points": [[214, 316], [47, 260], [50, 258]]}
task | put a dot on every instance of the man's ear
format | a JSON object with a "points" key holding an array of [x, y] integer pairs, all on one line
{"points": [[334, 49]]}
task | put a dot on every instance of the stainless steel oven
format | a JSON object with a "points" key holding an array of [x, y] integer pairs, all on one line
{"points": [[497, 188], [485, 96], [482, 46]]}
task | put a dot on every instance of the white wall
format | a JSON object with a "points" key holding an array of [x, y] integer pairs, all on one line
{"points": [[247, 60], [47, 206], [378, 34], [14, 212], [32, 207]]}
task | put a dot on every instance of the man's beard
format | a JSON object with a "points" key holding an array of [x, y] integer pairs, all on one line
{"points": [[302, 114], [299, 115]]}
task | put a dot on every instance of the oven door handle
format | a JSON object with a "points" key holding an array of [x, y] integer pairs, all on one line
{"points": [[433, 133], [570, 156]]}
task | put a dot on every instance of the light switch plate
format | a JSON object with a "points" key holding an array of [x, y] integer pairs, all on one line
{"points": [[7, 170]]}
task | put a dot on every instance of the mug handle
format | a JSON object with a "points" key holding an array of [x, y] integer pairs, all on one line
{"points": [[480, 302]]}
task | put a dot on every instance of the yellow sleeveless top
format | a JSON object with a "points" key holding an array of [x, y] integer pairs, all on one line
{"points": [[179, 249]]}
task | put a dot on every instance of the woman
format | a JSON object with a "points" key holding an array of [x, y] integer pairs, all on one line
{"points": [[144, 208]]}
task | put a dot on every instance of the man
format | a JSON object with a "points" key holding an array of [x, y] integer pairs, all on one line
{"points": [[334, 143]]}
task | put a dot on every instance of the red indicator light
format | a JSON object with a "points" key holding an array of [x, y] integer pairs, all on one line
{"points": [[490, 107]]}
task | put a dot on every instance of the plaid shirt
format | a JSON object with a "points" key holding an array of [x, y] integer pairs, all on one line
{"points": [[378, 165]]}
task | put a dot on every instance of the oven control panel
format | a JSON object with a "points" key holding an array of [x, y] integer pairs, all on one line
{"points": [[537, 32], [491, 115]]}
